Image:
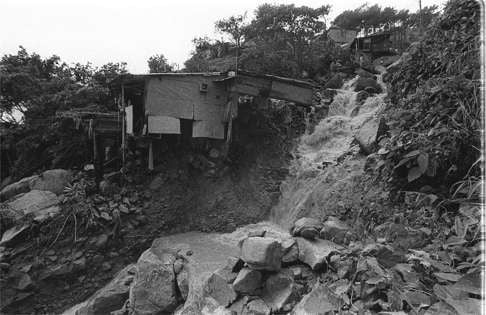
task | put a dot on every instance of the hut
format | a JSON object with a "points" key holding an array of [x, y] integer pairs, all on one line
{"points": [[190, 106]]}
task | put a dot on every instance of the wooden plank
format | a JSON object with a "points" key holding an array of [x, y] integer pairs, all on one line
{"points": [[292, 93]]}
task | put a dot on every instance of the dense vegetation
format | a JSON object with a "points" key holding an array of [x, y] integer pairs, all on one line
{"points": [[280, 39], [436, 109], [376, 16], [32, 90]]}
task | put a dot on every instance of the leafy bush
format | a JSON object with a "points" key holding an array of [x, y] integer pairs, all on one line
{"points": [[435, 104]]}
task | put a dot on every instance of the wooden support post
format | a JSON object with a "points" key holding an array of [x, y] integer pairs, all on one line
{"points": [[231, 113], [123, 145], [98, 157], [151, 156]]}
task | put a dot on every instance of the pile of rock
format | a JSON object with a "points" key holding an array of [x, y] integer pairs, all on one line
{"points": [[30, 214], [261, 269], [266, 271]]}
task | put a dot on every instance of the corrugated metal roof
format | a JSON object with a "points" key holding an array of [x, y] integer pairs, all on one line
{"points": [[130, 78]]}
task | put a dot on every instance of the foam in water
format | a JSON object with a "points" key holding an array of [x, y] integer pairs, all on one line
{"points": [[318, 152]]}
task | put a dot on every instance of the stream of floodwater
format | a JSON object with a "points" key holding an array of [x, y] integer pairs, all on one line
{"points": [[317, 154]]}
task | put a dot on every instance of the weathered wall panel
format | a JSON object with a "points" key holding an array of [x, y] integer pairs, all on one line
{"points": [[208, 129], [164, 125], [181, 97]]}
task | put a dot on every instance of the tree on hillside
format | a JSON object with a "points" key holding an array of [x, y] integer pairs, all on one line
{"points": [[158, 64], [283, 35], [370, 16], [281, 39], [234, 26], [24, 77], [206, 52], [429, 14]]}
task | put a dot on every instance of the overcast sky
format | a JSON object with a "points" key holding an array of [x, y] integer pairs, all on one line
{"points": [[101, 31]]}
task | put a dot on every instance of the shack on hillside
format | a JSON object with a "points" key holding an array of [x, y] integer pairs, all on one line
{"points": [[199, 105], [382, 43], [196, 105]]}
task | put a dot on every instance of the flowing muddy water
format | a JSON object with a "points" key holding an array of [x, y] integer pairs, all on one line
{"points": [[315, 174]]}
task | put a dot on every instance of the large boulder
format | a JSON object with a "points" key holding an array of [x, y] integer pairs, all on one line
{"points": [[22, 186], [247, 281], [279, 290], [307, 228], [203, 255], [290, 251], [262, 253], [109, 298], [153, 290], [52, 180], [315, 253], [336, 230], [38, 203], [367, 136], [220, 290]]}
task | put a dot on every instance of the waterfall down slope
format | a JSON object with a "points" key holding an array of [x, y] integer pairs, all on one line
{"points": [[327, 162]]}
